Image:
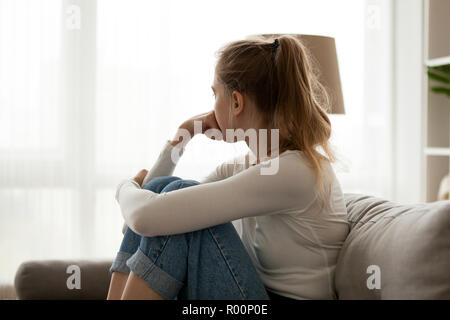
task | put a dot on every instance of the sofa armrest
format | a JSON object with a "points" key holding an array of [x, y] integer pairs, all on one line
{"points": [[49, 279]]}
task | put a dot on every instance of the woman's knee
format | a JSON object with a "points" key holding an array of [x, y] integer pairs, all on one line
{"points": [[130, 241], [179, 184], [157, 184], [155, 245]]}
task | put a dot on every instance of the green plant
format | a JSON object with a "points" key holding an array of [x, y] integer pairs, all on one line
{"points": [[440, 74]]}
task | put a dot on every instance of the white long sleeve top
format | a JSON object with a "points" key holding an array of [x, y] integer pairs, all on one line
{"points": [[293, 245]]}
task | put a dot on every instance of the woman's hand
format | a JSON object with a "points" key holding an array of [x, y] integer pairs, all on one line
{"points": [[139, 178], [208, 120]]}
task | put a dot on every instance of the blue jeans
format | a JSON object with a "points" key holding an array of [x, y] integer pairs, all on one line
{"points": [[211, 263]]}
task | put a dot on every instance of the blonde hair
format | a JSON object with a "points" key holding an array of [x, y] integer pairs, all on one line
{"points": [[283, 83]]}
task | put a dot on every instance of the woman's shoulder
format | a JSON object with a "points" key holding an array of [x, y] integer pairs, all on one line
{"points": [[294, 166], [298, 158], [289, 165]]}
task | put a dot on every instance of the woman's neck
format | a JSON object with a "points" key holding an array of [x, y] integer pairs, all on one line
{"points": [[265, 146]]}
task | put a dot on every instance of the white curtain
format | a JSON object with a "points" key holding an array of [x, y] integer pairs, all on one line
{"points": [[90, 90]]}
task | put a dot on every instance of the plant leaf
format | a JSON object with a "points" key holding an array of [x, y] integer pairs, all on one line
{"points": [[440, 77], [442, 90], [445, 68]]}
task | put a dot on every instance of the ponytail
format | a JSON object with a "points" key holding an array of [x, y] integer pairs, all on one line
{"points": [[282, 80]]}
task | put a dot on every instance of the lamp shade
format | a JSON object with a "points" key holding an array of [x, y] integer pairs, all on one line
{"points": [[324, 53]]}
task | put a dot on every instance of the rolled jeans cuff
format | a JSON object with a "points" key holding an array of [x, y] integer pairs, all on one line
{"points": [[120, 263], [160, 281]]}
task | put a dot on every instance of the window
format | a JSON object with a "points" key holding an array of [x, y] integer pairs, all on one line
{"points": [[82, 108]]}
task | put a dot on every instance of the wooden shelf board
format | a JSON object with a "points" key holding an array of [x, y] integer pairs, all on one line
{"points": [[437, 151], [438, 61]]}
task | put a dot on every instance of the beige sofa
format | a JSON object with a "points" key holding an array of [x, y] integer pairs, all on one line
{"points": [[394, 251]]}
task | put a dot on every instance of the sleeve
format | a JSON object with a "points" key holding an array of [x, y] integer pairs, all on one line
{"points": [[227, 169], [248, 193], [164, 166], [166, 162]]}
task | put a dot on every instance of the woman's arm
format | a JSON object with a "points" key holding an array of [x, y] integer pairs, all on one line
{"points": [[174, 149], [164, 165], [248, 193], [225, 170]]}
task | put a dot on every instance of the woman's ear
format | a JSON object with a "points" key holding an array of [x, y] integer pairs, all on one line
{"points": [[237, 103]]}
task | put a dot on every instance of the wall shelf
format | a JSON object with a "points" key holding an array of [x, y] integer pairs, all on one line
{"points": [[437, 151], [436, 107], [438, 62]]}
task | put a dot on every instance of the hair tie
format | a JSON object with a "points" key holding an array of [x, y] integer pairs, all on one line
{"points": [[275, 44]]}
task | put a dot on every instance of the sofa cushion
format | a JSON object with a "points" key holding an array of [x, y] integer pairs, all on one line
{"points": [[48, 279], [405, 247]]}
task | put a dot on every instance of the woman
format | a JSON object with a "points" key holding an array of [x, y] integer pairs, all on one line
{"points": [[179, 241]]}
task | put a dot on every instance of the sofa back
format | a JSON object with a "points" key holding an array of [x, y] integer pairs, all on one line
{"points": [[395, 251]]}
